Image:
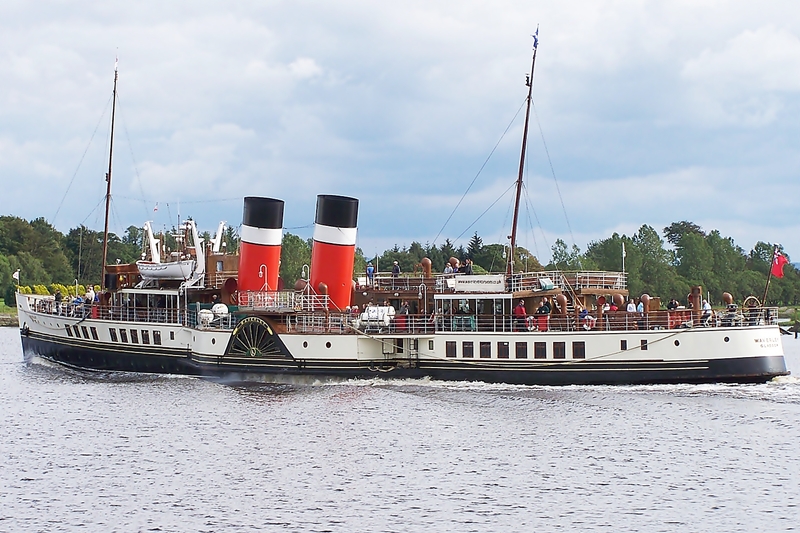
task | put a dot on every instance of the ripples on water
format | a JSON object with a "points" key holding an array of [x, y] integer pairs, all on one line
{"points": [[121, 452]]}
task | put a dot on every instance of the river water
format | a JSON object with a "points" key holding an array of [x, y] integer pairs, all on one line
{"points": [[121, 452]]}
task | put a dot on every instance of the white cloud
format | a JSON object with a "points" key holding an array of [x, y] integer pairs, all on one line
{"points": [[399, 105], [747, 80]]}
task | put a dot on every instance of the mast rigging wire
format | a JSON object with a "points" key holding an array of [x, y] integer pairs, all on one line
{"points": [[479, 172], [80, 162], [485, 211], [133, 157], [553, 172]]}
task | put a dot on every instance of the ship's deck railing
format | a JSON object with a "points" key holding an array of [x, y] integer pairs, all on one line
{"points": [[525, 281], [309, 318], [48, 305], [217, 279], [577, 280], [282, 301], [269, 300], [612, 321]]}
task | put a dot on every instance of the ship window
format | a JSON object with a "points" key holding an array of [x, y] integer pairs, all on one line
{"points": [[145, 337], [467, 349], [399, 344], [219, 266], [69, 331], [579, 350], [559, 350], [77, 331], [430, 345], [135, 336], [486, 350], [156, 337], [643, 344], [450, 348], [623, 344], [540, 350], [85, 331], [123, 334], [502, 350], [172, 335], [113, 333], [94, 332], [522, 350]]}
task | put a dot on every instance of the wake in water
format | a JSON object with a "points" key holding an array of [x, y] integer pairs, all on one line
{"points": [[108, 376], [783, 389]]}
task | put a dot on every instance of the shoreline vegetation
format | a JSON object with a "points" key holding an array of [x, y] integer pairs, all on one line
{"points": [[666, 267]]}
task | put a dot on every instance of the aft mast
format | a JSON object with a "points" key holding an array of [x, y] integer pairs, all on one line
{"points": [[108, 178], [529, 83]]}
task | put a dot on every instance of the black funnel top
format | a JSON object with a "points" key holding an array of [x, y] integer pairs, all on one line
{"points": [[337, 211], [263, 212]]}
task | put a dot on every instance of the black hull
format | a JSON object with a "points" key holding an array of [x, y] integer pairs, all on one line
{"points": [[147, 360]]}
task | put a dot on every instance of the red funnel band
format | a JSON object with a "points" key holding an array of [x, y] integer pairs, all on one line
{"points": [[258, 267], [332, 264]]}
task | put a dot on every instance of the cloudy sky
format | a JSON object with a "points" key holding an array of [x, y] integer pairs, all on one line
{"points": [[651, 112]]}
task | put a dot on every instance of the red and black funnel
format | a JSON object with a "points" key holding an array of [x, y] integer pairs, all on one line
{"points": [[334, 248], [260, 256]]}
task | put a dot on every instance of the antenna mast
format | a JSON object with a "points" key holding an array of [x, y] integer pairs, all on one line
{"points": [[529, 83]]}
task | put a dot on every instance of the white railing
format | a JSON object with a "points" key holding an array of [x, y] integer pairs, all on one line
{"points": [[283, 301], [535, 281], [269, 300]]}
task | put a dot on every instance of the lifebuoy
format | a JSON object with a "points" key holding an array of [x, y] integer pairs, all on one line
{"points": [[531, 323]]}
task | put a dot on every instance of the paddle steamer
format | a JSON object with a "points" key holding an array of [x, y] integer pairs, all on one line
{"points": [[208, 313]]}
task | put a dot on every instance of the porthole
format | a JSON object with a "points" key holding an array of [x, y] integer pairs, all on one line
{"points": [[677, 342], [213, 341], [327, 344], [727, 339], [305, 344]]}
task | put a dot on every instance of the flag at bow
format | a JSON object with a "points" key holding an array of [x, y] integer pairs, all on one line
{"points": [[15, 275], [778, 260]]}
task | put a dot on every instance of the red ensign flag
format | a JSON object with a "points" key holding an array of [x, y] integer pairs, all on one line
{"points": [[777, 264]]}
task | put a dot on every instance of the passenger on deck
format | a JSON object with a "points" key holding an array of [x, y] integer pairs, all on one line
{"points": [[705, 318], [448, 268], [468, 267], [545, 308], [672, 305], [631, 308], [520, 316], [396, 270], [370, 274], [58, 297], [587, 320]]}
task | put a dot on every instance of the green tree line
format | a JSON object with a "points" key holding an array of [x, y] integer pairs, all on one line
{"points": [[667, 267]]}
